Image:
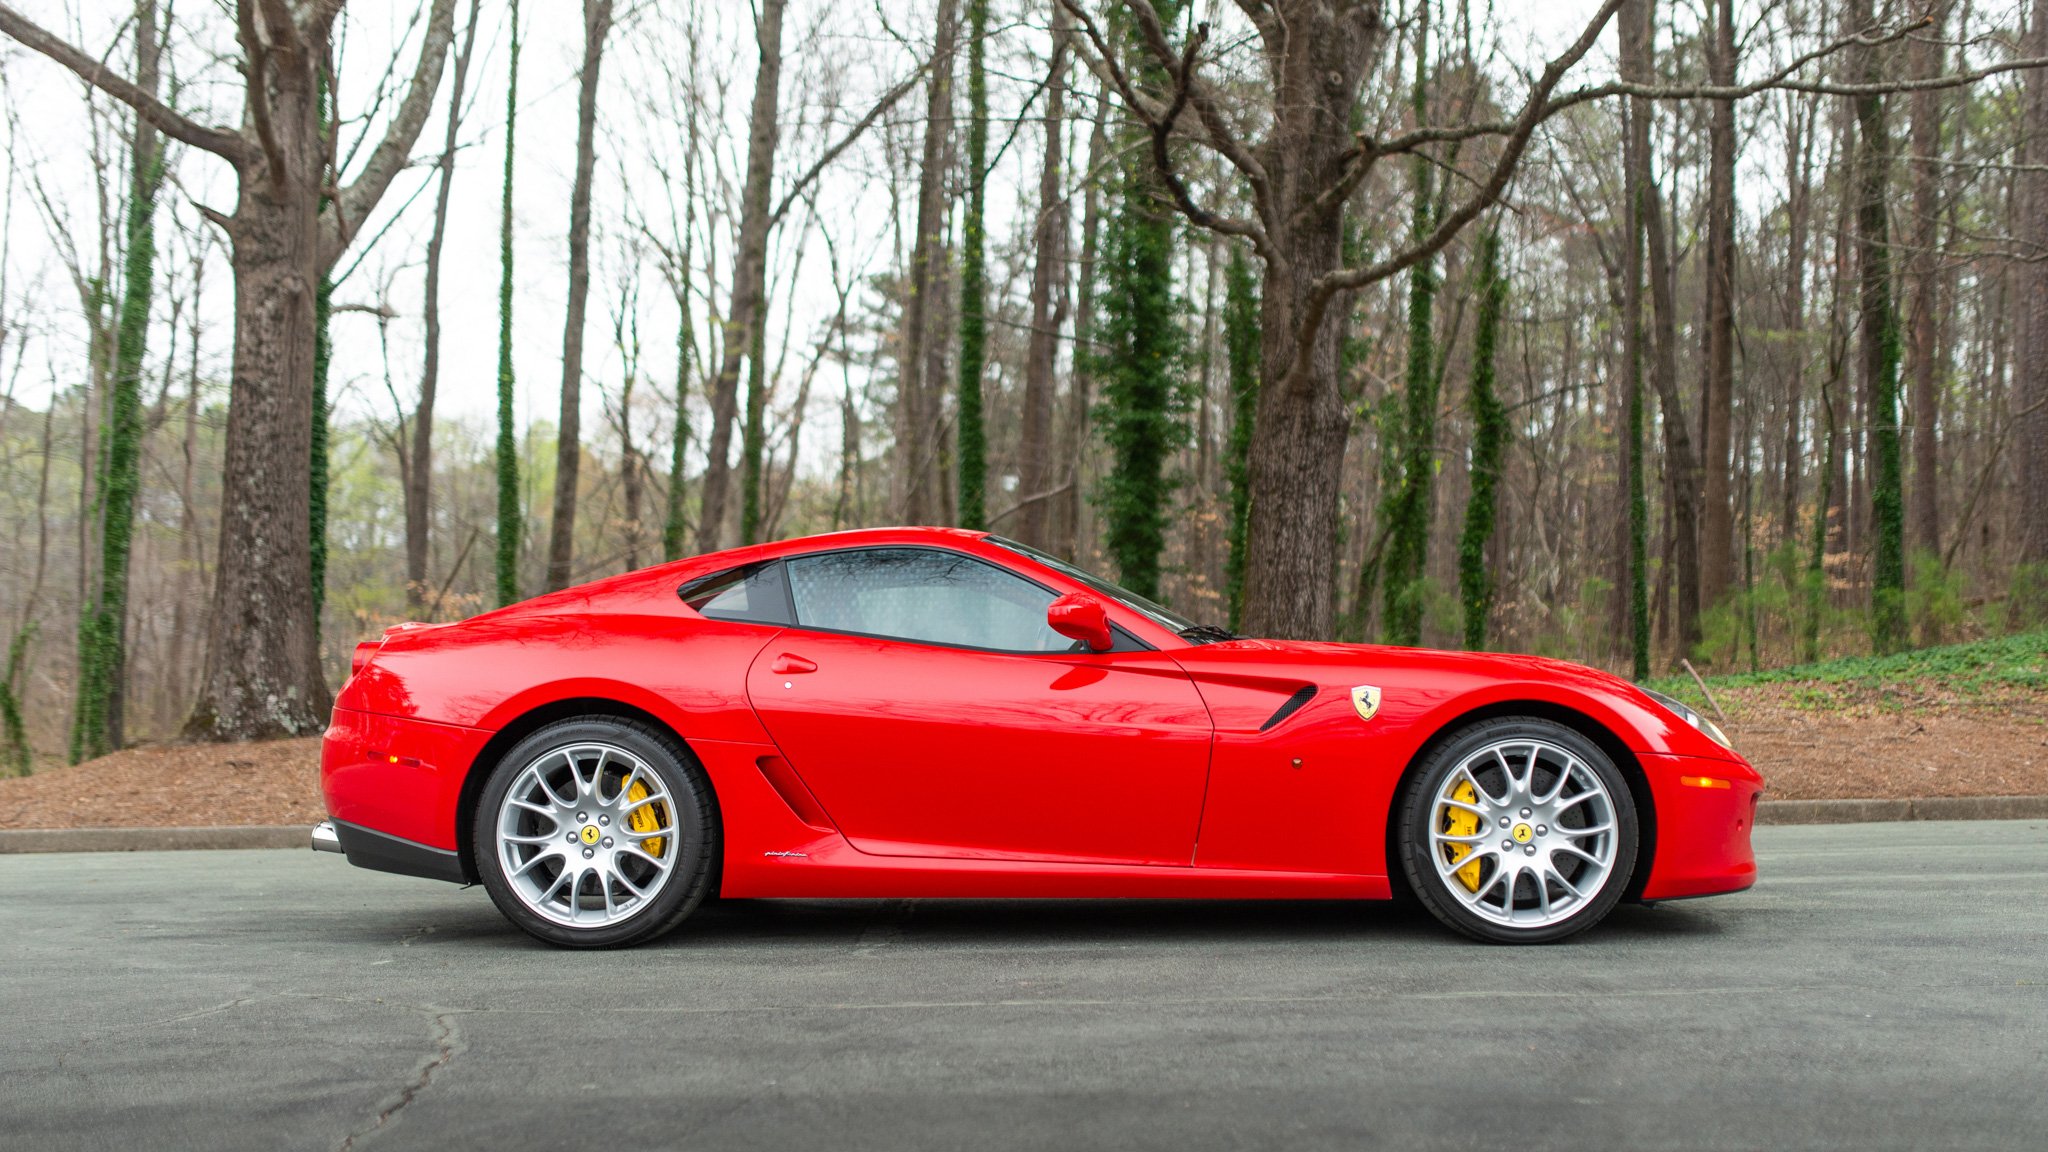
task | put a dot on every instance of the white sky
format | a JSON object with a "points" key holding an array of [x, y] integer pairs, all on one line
{"points": [[853, 46]]}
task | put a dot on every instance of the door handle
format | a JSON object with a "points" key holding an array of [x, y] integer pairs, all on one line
{"points": [[788, 665]]}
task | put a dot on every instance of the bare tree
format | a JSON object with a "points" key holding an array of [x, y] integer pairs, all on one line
{"points": [[597, 25], [419, 490], [1035, 493], [291, 222]]}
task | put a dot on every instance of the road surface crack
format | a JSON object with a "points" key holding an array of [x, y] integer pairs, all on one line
{"points": [[447, 1041]]}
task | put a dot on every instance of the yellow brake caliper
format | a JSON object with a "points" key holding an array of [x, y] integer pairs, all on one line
{"points": [[648, 819], [1458, 822]]}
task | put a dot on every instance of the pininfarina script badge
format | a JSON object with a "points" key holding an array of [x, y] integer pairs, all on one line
{"points": [[1366, 699]]}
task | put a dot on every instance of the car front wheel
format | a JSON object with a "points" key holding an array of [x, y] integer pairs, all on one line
{"points": [[596, 833], [1518, 830]]}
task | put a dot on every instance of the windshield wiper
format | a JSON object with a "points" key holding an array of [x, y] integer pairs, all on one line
{"points": [[1206, 634]]}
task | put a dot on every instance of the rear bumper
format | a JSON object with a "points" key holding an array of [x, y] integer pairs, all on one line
{"points": [[393, 788], [399, 776], [366, 848], [1706, 810]]}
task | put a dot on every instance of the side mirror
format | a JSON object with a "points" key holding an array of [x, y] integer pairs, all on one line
{"points": [[1081, 618]]}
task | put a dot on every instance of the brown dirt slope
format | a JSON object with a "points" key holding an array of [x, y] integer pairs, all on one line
{"points": [[172, 786], [1822, 741], [1813, 741]]}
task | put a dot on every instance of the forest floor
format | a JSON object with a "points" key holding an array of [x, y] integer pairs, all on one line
{"points": [[1964, 720]]}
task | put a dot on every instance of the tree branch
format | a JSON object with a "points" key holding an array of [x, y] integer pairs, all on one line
{"points": [[888, 100], [256, 49], [1535, 109], [355, 202], [1159, 121], [222, 142]]}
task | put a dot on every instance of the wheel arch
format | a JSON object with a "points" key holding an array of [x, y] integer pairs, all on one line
{"points": [[1602, 737], [526, 724]]}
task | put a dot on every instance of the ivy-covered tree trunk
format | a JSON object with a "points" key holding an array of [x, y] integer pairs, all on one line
{"points": [[103, 627], [1139, 347], [1407, 506], [1635, 169], [971, 436], [1815, 578], [1880, 347], [509, 527], [1489, 442], [1241, 345]]}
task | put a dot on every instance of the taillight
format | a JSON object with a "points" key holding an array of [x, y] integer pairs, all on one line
{"points": [[364, 651]]}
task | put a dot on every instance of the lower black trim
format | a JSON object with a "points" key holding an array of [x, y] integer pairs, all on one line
{"points": [[366, 848]]}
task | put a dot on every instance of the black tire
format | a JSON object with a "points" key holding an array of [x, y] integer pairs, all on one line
{"points": [[693, 873], [1420, 805]]}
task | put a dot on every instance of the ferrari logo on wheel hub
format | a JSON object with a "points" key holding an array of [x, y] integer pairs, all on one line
{"points": [[1523, 833], [590, 833]]}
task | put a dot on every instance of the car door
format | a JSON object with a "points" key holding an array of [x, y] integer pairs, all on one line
{"points": [[932, 712]]}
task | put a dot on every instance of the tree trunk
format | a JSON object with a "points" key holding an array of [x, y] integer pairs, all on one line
{"points": [[750, 273], [918, 496], [290, 225], [1681, 467], [597, 24], [1879, 323], [1924, 525], [1048, 305], [1489, 443], [1303, 422], [1074, 439], [2031, 369], [973, 436], [98, 726], [419, 490], [1407, 508], [1636, 196], [1241, 339], [510, 530], [1717, 527]]}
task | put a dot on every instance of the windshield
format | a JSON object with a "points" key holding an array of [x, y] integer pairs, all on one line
{"points": [[1159, 614]]}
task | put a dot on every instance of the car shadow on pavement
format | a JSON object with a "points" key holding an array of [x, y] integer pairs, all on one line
{"points": [[868, 925]]}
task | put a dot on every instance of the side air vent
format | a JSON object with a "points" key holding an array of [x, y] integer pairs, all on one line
{"points": [[1293, 705]]}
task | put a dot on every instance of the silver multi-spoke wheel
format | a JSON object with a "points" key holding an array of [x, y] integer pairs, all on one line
{"points": [[1523, 833], [587, 835]]}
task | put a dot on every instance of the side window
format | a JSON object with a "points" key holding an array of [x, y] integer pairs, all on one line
{"points": [[922, 594], [754, 594]]}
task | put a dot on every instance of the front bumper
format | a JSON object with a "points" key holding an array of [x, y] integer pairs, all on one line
{"points": [[1703, 829]]}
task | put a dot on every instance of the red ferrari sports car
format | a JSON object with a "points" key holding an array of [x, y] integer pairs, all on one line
{"points": [[924, 712]]}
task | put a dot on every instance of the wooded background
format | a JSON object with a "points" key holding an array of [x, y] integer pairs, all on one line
{"points": [[1629, 331]]}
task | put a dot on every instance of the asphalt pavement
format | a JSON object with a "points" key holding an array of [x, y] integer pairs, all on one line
{"points": [[1884, 986]]}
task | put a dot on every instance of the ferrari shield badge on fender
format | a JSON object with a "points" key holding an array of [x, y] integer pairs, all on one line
{"points": [[1366, 699]]}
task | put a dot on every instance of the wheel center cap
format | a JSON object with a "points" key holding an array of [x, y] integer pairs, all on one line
{"points": [[1522, 833], [590, 834]]}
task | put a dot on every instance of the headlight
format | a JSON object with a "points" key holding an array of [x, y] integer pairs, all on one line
{"points": [[1679, 709]]}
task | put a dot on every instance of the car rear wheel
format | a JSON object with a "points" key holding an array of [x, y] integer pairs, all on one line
{"points": [[1518, 830], [596, 833]]}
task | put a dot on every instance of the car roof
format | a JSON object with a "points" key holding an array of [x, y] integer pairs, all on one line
{"points": [[851, 538]]}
